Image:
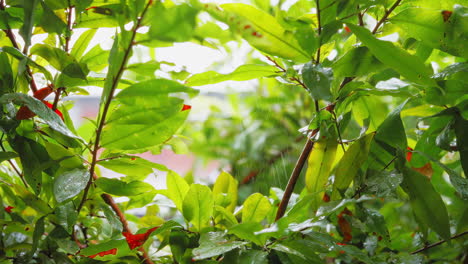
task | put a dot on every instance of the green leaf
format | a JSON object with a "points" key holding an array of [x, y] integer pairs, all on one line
{"points": [[20, 56], [177, 189], [96, 59], [32, 156], [82, 43], [461, 132], [60, 60], [301, 249], [113, 219], [392, 131], [121, 188], [319, 167], [214, 244], [198, 205], [30, 9], [247, 231], [427, 204], [225, 191], [356, 62], [146, 117], [68, 159], [242, 73], [50, 22], [349, 165], [66, 216], [409, 66], [120, 245], [430, 27], [39, 229], [255, 208], [7, 155], [318, 81], [260, 29], [131, 165], [174, 24], [31, 199], [146, 69], [70, 183], [39, 108]]}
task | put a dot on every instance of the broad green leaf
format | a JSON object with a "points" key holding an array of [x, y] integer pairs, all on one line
{"points": [[224, 217], [30, 9], [7, 155], [461, 132], [301, 249], [177, 189], [130, 165], [121, 188], [248, 231], [50, 22], [82, 43], [172, 24], [121, 246], [258, 28], [409, 66], [66, 216], [349, 165], [391, 131], [225, 191], [20, 56], [431, 27], [32, 156], [318, 81], [68, 159], [95, 59], [214, 244], [356, 62], [427, 204], [146, 68], [39, 108], [147, 115], [103, 16], [319, 167], [31, 199], [242, 73], [198, 205], [255, 208], [39, 229], [60, 60], [70, 183], [113, 219]]}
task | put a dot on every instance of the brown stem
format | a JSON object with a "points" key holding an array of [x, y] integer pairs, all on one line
{"points": [[69, 26], [385, 16], [12, 164], [105, 110], [57, 97], [319, 30], [438, 243], [294, 177], [360, 15]]}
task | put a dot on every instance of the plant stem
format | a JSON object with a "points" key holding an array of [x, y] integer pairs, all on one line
{"points": [[102, 119], [319, 30], [12, 164], [69, 26], [438, 243], [294, 177], [385, 16]]}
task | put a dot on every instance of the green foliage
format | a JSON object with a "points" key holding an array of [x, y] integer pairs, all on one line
{"points": [[379, 88]]}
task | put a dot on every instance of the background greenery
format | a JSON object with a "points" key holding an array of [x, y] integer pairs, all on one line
{"points": [[370, 94]]}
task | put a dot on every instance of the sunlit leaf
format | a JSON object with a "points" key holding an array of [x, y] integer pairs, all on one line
{"points": [[70, 183], [255, 208], [198, 205]]}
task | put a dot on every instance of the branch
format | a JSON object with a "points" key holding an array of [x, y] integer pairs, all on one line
{"points": [[438, 243], [319, 30], [384, 18], [105, 110], [69, 26], [12, 164], [294, 177]]}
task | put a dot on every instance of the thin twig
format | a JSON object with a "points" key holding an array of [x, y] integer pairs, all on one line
{"points": [[360, 17], [105, 110], [69, 27], [294, 177], [12, 164], [438, 243], [385, 16], [319, 31]]}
